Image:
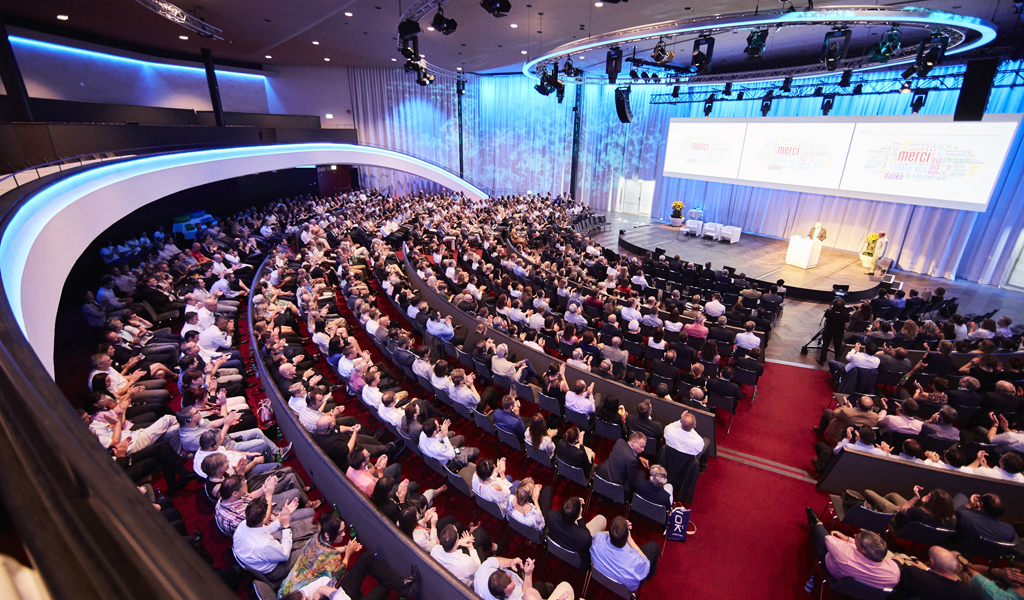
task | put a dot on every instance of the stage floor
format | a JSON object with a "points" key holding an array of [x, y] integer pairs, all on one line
{"points": [[759, 257]]}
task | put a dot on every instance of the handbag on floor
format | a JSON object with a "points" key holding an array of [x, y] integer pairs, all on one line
{"points": [[678, 525]]}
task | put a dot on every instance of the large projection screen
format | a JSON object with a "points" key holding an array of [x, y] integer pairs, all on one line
{"points": [[926, 160]]}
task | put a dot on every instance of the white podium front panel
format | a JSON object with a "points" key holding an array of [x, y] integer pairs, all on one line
{"points": [[803, 252]]}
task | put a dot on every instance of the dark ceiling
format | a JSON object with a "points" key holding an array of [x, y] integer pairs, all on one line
{"points": [[286, 31]]}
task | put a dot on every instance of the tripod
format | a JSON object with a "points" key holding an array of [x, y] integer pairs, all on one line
{"points": [[810, 343]]}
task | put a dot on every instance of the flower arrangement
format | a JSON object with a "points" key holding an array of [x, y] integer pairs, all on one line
{"points": [[869, 242], [677, 210]]}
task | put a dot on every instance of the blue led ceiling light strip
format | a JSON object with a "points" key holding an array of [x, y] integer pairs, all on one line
{"points": [[113, 58], [912, 15]]}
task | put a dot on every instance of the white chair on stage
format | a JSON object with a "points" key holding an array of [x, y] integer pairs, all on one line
{"points": [[712, 231], [730, 233], [693, 227]]}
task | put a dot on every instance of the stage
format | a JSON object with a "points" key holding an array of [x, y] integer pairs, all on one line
{"points": [[762, 259]]}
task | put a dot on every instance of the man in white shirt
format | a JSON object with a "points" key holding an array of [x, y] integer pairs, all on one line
{"points": [[902, 419], [631, 312], [575, 316], [581, 398], [435, 443], [715, 308], [640, 280], [856, 359], [1010, 440], [682, 436], [449, 553], [255, 546], [748, 340], [389, 410], [536, 320], [497, 579], [216, 338]]}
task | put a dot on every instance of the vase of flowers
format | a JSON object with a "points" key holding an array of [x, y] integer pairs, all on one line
{"points": [[867, 255], [677, 214]]}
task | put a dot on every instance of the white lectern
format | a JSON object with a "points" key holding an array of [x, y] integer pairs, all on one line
{"points": [[803, 252]]}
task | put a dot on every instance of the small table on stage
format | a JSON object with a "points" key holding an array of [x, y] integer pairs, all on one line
{"points": [[803, 252]]}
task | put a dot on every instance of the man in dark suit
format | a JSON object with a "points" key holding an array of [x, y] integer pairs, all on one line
{"points": [[642, 421], [508, 417], [338, 445], [567, 529], [666, 366], [1002, 400], [880, 303], [571, 451], [772, 296], [653, 489], [979, 516], [689, 275], [966, 395], [723, 386], [751, 362], [718, 332], [624, 462]]}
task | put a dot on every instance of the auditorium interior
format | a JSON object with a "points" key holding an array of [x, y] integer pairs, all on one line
{"points": [[511, 299]]}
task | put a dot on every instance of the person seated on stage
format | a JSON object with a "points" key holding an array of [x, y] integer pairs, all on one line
{"points": [[863, 557], [616, 555]]}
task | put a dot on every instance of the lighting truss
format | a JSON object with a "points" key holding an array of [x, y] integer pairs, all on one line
{"points": [[179, 16], [1005, 78]]}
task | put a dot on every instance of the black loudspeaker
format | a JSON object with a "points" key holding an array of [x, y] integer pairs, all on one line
{"points": [[978, 77], [355, 178], [622, 105]]}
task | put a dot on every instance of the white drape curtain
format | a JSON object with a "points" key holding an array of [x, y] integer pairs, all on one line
{"points": [[517, 140]]}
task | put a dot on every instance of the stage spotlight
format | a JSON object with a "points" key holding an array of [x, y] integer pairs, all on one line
{"points": [[827, 103], [766, 103], [739, 96], [423, 77], [930, 53], [570, 70], [846, 79], [460, 87], [498, 8], [661, 54], [645, 76], [675, 91], [818, 91], [858, 89], [633, 74], [411, 49], [918, 100], [701, 60], [708, 105], [411, 66], [728, 89], [833, 48], [890, 43], [755, 43], [905, 88], [655, 78], [408, 30], [613, 64], [787, 85], [542, 88], [440, 23], [909, 72]]}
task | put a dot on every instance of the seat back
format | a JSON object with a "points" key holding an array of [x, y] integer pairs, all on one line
{"points": [[425, 383], [465, 359], [657, 379], [634, 348], [443, 396], [920, 533], [608, 430], [981, 547], [483, 422], [723, 402], [549, 404], [654, 353], [491, 507], [578, 419], [656, 512], [848, 586], [463, 411], [502, 381], [526, 531], [263, 591], [508, 438], [612, 491], [615, 587], [743, 376], [483, 371], [562, 553], [573, 474], [459, 482], [865, 518], [526, 391], [538, 455], [436, 465]]}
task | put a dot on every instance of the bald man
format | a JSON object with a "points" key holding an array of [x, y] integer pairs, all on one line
{"points": [[817, 232], [935, 580], [682, 436]]}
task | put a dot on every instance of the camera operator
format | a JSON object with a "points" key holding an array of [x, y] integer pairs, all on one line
{"points": [[837, 319]]}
